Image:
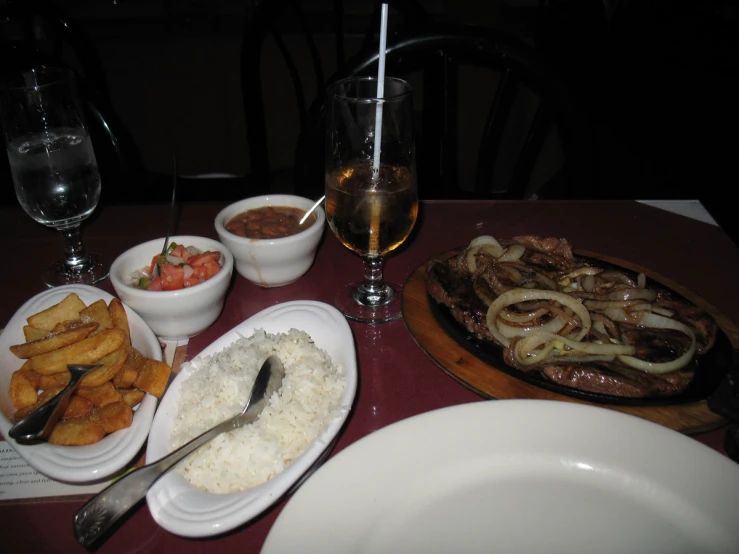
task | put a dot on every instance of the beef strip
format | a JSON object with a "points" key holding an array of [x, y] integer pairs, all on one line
{"points": [[632, 383], [453, 289]]}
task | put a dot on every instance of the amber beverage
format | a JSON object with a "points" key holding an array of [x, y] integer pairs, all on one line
{"points": [[371, 216]]}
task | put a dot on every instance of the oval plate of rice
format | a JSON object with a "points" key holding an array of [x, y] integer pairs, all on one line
{"points": [[239, 474]]}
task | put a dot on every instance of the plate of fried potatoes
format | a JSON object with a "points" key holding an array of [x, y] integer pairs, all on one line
{"points": [[109, 416]]}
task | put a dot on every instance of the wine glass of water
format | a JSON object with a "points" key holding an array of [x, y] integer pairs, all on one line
{"points": [[371, 191], [53, 165]]}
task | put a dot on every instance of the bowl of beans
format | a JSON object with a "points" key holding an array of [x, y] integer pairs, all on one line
{"points": [[271, 246]]}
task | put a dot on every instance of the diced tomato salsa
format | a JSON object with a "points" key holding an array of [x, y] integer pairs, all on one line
{"points": [[181, 267]]}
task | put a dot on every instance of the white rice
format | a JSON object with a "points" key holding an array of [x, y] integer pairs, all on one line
{"points": [[217, 389]]}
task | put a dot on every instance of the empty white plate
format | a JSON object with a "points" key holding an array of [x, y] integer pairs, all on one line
{"points": [[516, 476]]}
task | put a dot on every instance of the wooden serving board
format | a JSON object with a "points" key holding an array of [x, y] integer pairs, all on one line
{"points": [[490, 382]]}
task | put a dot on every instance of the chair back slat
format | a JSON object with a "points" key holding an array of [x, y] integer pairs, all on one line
{"points": [[268, 19], [495, 125], [532, 148], [528, 105]]}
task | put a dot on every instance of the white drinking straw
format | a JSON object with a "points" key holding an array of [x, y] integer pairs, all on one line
{"points": [[375, 204], [380, 91], [378, 111]]}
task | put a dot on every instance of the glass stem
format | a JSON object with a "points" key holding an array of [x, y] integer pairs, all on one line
{"points": [[75, 255], [373, 291]]}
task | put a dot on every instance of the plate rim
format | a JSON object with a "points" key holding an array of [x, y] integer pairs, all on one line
{"points": [[233, 510], [294, 524]]}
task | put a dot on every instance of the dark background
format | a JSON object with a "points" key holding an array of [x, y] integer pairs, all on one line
{"points": [[656, 78]]}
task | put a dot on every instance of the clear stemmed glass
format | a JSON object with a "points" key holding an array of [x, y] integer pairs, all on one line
{"points": [[371, 198], [53, 165]]}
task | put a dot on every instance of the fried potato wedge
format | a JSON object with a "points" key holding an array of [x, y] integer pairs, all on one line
{"points": [[153, 377], [68, 325], [52, 341], [31, 333], [132, 397], [125, 378], [48, 394], [22, 391], [76, 432], [55, 380], [112, 364], [67, 309], [100, 395], [78, 408], [119, 317], [23, 412], [86, 351], [113, 416], [34, 378], [97, 312]]}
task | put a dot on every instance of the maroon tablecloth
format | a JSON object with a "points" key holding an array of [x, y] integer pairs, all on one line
{"points": [[397, 380]]}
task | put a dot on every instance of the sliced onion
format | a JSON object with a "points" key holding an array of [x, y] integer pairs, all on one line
{"points": [[632, 294], [512, 253], [507, 315], [538, 345], [484, 243], [516, 296], [617, 277], [660, 322], [663, 311], [509, 331], [587, 270], [188, 271], [174, 260], [588, 283], [611, 304]]}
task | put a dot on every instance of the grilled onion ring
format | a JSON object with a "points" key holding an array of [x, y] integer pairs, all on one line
{"points": [[515, 296]]}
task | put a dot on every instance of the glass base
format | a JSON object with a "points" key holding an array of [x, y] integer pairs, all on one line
{"points": [[347, 304], [93, 272]]}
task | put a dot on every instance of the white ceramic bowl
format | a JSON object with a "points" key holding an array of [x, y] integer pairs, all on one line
{"points": [[272, 262], [173, 314], [181, 508], [77, 464]]}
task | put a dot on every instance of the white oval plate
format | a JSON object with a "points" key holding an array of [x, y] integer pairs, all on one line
{"points": [[514, 476], [184, 510], [76, 464]]}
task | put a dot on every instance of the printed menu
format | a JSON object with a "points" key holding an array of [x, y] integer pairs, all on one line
{"points": [[18, 480]]}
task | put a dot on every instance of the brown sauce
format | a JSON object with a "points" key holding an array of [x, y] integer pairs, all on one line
{"points": [[270, 222]]}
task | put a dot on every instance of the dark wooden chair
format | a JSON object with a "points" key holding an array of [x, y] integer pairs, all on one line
{"points": [[493, 121], [304, 64]]}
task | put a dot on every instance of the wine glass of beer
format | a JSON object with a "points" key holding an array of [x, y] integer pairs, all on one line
{"points": [[371, 191], [53, 165]]}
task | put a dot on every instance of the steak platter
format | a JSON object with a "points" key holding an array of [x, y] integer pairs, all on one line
{"points": [[581, 325]]}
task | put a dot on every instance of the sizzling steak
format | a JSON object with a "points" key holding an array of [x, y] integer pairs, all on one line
{"points": [[631, 341]]}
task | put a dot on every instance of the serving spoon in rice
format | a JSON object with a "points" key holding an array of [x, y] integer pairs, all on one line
{"points": [[100, 513]]}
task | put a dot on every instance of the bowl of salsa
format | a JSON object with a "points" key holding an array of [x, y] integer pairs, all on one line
{"points": [[186, 293]]}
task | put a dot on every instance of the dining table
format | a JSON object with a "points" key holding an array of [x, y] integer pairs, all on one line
{"points": [[397, 377]]}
